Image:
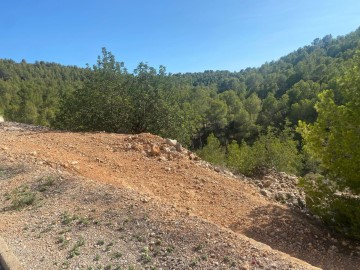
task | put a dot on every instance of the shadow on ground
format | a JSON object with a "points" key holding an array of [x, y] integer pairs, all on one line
{"points": [[300, 236]]}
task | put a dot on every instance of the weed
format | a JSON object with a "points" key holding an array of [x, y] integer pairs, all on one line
{"points": [[145, 256], [116, 255], [75, 251], [65, 265], [65, 230], [108, 267], [139, 238], [7, 196], [96, 258], [170, 249], [198, 248], [193, 263], [45, 183], [158, 242], [226, 260], [67, 219], [47, 229], [83, 221], [100, 243], [22, 197]]}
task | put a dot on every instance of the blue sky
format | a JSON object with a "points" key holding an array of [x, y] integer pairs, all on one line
{"points": [[184, 36]]}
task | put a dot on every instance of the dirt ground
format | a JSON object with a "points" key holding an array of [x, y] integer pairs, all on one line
{"points": [[112, 201]]}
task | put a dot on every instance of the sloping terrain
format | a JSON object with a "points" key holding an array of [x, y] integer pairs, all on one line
{"points": [[111, 201]]}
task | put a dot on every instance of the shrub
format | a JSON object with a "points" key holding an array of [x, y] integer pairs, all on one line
{"points": [[339, 210], [213, 151], [268, 152], [22, 197]]}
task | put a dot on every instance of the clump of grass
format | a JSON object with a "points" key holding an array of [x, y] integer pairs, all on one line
{"points": [[145, 256], [100, 242], [198, 248], [116, 255], [22, 197], [75, 251], [46, 183], [66, 218], [170, 249]]}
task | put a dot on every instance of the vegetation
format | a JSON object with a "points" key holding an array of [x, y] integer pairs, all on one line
{"points": [[21, 197], [334, 140], [245, 117], [270, 151]]}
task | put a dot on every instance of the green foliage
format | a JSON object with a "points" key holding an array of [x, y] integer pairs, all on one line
{"points": [[334, 137], [339, 210], [30, 93], [213, 151], [268, 152], [334, 140], [187, 107], [22, 197]]}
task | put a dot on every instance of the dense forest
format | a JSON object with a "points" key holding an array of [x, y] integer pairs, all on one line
{"points": [[298, 114]]}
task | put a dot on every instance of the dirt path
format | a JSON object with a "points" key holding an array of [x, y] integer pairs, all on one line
{"points": [[180, 183]]}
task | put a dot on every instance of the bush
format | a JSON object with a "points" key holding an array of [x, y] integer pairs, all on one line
{"points": [[213, 151], [340, 211], [22, 197], [268, 152]]}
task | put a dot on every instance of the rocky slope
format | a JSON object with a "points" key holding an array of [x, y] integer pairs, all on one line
{"points": [[111, 201]]}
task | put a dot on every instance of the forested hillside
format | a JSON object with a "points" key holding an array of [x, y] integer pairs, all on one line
{"points": [[244, 120], [30, 93], [232, 105]]}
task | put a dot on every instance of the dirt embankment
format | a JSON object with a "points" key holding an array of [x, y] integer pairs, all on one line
{"points": [[90, 200]]}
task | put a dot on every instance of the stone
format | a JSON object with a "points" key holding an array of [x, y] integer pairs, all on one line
{"points": [[192, 156], [267, 183], [179, 147], [162, 158], [171, 142], [264, 192], [280, 196], [1, 119], [155, 150]]}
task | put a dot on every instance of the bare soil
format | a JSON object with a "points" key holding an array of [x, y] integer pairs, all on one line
{"points": [[113, 201]]}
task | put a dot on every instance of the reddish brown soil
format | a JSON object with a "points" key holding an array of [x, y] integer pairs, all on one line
{"points": [[182, 184]]}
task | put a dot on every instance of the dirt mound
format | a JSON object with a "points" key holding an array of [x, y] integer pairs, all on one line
{"points": [[144, 201]]}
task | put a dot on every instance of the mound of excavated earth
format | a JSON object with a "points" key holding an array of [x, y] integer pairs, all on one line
{"points": [[111, 201]]}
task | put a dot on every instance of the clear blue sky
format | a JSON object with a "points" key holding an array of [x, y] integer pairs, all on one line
{"points": [[186, 35]]}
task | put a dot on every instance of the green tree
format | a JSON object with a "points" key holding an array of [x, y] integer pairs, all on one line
{"points": [[213, 151], [102, 103], [270, 151], [334, 140]]}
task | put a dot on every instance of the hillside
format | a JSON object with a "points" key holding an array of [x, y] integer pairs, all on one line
{"points": [[81, 200], [233, 105]]}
